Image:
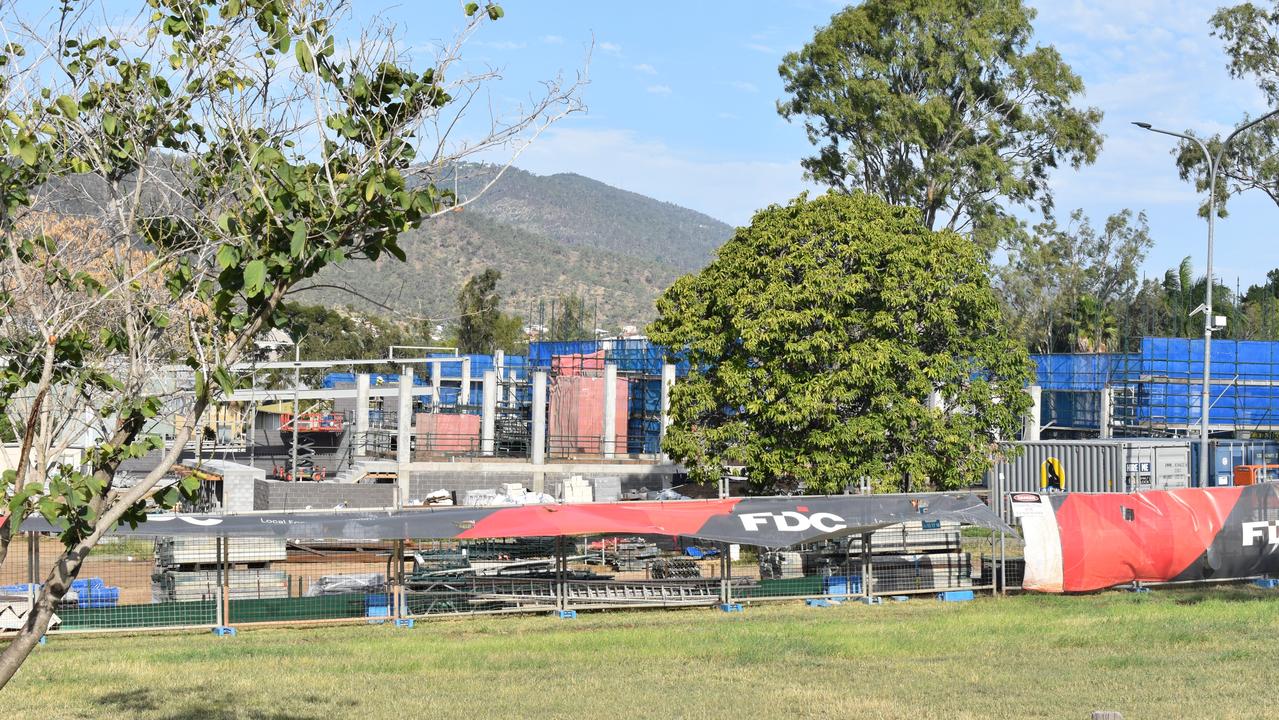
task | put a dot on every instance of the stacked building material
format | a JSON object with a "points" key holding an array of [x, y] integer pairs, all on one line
{"points": [[917, 555], [663, 568], [187, 569]]}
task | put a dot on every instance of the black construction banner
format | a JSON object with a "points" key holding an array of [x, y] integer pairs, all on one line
{"points": [[769, 522], [1079, 542]]}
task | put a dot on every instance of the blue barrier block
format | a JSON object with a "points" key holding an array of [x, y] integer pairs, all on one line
{"points": [[223, 631], [1137, 589], [566, 614], [404, 623], [731, 607], [1268, 583], [871, 600], [900, 598], [818, 602], [44, 639], [955, 596]]}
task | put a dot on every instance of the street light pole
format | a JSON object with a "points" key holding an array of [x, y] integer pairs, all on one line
{"points": [[1214, 169]]}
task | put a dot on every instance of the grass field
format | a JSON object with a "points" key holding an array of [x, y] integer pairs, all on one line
{"points": [[1203, 653]]}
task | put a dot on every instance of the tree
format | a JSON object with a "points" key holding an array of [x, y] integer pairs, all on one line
{"points": [[1066, 289], [339, 333], [478, 313], [216, 154], [1250, 33], [1184, 294], [569, 321], [819, 334], [941, 106]]}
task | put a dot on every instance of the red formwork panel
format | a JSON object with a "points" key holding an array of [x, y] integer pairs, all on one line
{"points": [[577, 415], [579, 364], [447, 432]]}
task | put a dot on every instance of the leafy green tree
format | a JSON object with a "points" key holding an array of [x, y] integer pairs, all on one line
{"points": [[478, 307], [1250, 34], [327, 333], [819, 334], [942, 106], [1067, 288], [218, 154], [509, 334], [570, 321], [1184, 293]]}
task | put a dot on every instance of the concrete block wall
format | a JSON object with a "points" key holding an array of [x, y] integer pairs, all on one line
{"points": [[275, 495]]}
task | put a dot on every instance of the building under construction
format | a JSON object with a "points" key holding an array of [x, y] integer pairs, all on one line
{"points": [[589, 412]]}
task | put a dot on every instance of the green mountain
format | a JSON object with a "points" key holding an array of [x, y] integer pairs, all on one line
{"points": [[549, 236]]}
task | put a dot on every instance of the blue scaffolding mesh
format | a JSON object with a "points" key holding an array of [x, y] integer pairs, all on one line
{"points": [[1160, 387]]}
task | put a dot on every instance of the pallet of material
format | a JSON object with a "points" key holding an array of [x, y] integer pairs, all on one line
{"points": [[176, 551], [910, 537], [191, 585], [921, 571]]}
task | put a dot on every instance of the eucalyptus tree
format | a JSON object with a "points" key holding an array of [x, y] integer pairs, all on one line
{"points": [[944, 106], [212, 154]]}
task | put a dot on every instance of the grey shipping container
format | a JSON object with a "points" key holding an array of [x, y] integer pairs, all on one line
{"points": [[1091, 466]]}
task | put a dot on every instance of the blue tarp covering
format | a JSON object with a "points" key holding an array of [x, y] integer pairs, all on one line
{"points": [[1091, 371], [339, 379], [1163, 384]]}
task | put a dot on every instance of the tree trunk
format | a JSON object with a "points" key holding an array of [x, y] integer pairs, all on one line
{"points": [[55, 588]]}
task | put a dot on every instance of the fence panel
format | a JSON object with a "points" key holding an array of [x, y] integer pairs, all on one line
{"points": [[205, 581], [274, 580], [119, 587]]}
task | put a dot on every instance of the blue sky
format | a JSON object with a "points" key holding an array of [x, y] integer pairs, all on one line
{"points": [[682, 104]]}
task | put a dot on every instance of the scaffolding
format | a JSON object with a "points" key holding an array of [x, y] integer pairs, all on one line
{"points": [[1157, 391]]}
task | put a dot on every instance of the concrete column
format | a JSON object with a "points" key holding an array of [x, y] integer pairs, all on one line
{"points": [[488, 413], [465, 397], [537, 443], [436, 372], [610, 410], [499, 362], [1033, 415], [361, 438], [668, 380], [404, 431], [1104, 416]]}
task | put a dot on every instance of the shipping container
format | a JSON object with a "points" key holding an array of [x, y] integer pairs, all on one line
{"points": [[1089, 466], [1229, 454]]}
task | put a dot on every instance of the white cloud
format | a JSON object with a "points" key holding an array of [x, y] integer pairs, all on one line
{"points": [[744, 86], [553, 39], [728, 189], [644, 68], [726, 116], [611, 48], [501, 44], [659, 89], [757, 47]]}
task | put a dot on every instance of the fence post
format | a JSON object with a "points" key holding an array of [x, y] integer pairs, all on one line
{"points": [[725, 567], [219, 619], [867, 567], [561, 601], [397, 580], [1003, 574]]}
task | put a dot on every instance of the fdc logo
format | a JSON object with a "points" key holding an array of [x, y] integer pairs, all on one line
{"points": [[1267, 529], [792, 521]]}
